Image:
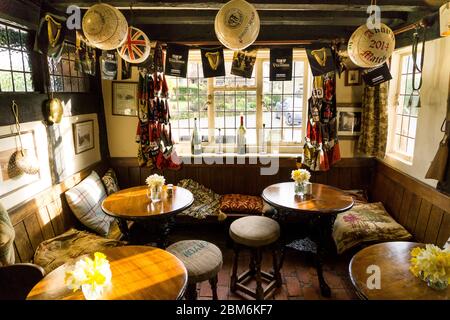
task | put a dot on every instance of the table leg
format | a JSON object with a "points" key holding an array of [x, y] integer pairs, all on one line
{"points": [[123, 226], [163, 233]]}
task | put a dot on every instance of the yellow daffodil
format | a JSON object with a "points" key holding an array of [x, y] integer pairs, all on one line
{"points": [[300, 175], [431, 263]]}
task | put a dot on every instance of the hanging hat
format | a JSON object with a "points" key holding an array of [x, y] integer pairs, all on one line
{"points": [[369, 48], [237, 24], [136, 47], [104, 26]]}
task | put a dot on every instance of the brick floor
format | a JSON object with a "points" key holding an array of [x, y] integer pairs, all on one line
{"points": [[298, 273]]}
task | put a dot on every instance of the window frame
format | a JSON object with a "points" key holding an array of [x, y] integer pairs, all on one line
{"points": [[393, 103], [263, 55]]}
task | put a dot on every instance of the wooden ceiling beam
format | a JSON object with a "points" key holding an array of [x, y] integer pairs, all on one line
{"points": [[263, 5]]}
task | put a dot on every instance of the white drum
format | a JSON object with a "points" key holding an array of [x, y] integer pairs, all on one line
{"points": [[104, 26], [370, 48], [237, 24], [136, 47]]}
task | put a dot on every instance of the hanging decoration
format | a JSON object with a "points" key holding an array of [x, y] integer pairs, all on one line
{"points": [[281, 64], [370, 48], [237, 24], [444, 20], [155, 60], [177, 60], [154, 132], [377, 75], [104, 26], [54, 109], [321, 149], [136, 47], [243, 63], [321, 60], [50, 36], [108, 65], [85, 55], [213, 62]]}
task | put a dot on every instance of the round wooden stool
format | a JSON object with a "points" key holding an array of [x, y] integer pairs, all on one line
{"points": [[203, 261], [255, 233]]}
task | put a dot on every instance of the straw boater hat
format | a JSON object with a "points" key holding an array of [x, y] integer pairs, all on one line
{"points": [[104, 26], [369, 48], [237, 24]]}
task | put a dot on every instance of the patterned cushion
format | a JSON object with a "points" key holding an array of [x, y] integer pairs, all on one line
{"points": [[7, 235], [110, 182], [366, 223], [52, 253], [206, 201], [240, 203], [85, 200]]}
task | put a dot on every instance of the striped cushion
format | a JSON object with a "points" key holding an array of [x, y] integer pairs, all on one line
{"points": [[7, 235], [85, 200]]}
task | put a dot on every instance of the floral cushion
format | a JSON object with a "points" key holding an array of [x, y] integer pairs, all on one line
{"points": [[7, 235], [206, 201], [85, 200], [52, 253], [110, 182], [366, 223], [239, 203]]}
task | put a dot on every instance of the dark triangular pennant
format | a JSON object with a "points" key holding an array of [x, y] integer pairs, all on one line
{"points": [[50, 35], [321, 60], [281, 64], [108, 65], [177, 60], [243, 63], [213, 63], [377, 75]]}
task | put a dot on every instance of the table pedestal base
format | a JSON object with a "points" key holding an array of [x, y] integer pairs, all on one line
{"points": [[155, 231]]}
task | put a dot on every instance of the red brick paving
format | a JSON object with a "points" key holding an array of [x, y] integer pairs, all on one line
{"points": [[298, 273]]}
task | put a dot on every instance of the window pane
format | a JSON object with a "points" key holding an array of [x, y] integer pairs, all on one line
{"points": [[16, 60], [65, 67], [3, 36], [6, 81], [410, 149], [67, 84], [412, 127], [14, 38], [29, 82], [25, 40], [4, 59], [26, 61], [405, 125], [299, 68], [19, 81]]}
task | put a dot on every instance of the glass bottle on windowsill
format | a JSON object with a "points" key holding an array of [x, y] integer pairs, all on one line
{"points": [[196, 142], [240, 138], [219, 143]]}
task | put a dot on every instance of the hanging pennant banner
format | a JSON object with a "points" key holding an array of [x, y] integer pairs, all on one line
{"points": [[377, 75], [50, 35], [126, 70], [177, 60], [213, 63], [281, 64], [108, 65], [243, 63], [321, 60], [85, 55]]}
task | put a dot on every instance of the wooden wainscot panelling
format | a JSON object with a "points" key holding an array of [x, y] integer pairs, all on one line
{"points": [[421, 209], [235, 177], [46, 215]]}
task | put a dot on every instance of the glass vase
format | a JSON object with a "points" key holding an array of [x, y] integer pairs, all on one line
{"points": [[435, 284], [155, 193], [92, 292], [300, 188]]}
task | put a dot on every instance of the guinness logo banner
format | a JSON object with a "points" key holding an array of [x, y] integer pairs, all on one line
{"points": [[281, 64], [321, 60], [377, 75], [213, 63], [243, 63], [177, 60]]}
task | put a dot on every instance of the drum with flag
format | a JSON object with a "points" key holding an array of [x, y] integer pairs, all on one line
{"points": [[136, 47]]}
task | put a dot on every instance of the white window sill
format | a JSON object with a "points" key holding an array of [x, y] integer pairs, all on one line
{"points": [[407, 160]]}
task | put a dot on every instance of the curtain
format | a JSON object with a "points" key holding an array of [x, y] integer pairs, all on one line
{"points": [[373, 138]]}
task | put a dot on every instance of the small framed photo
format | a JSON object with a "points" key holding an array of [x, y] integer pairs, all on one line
{"points": [[349, 121], [83, 136], [353, 77], [125, 98]]}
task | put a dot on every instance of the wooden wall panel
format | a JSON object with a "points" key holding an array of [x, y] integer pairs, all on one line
{"points": [[421, 209]]}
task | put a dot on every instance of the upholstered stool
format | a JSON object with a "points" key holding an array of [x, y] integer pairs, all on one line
{"points": [[203, 261], [255, 233]]}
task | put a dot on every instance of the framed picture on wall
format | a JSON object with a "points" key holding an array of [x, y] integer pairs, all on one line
{"points": [[353, 77], [124, 98], [83, 136], [349, 121]]}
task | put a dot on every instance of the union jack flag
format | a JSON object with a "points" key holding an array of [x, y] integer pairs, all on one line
{"points": [[136, 47]]}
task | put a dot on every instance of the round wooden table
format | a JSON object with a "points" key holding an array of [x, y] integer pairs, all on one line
{"points": [[134, 204], [321, 206], [138, 273], [396, 281]]}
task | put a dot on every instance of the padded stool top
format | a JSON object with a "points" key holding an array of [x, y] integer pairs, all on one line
{"points": [[255, 231], [202, 259]]}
